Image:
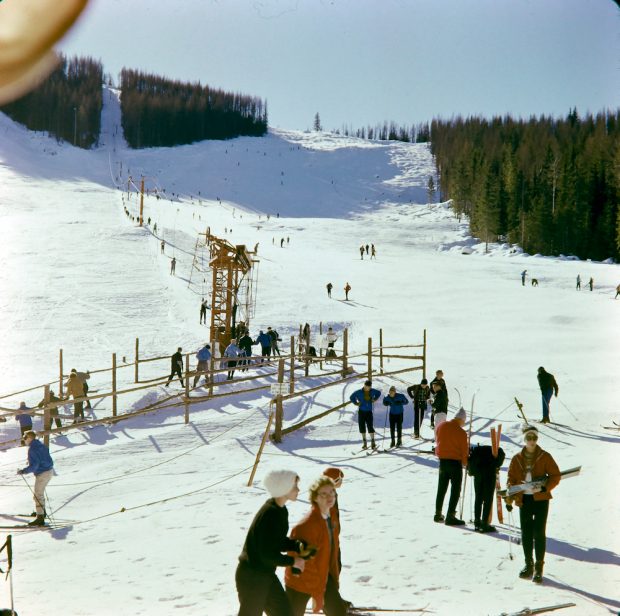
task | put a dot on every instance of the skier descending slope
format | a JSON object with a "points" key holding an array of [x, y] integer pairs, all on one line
{"points": [[533, 503]]}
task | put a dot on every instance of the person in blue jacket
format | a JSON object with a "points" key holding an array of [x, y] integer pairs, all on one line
{"points": [[395, 402], [265, 344], [203, 356], [232, 352], [40, 463], [25, 420], [364, 399]]}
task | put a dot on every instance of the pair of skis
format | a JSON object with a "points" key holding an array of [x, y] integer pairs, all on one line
{"points": [[538, 482], [496, 436]]}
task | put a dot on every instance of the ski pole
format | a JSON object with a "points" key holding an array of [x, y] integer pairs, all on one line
{"points": [[571, 412], [36, 498], [510, 535]]}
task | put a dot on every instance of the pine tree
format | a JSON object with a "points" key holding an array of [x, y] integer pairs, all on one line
{"points": [[430, 189], [317, 122]]}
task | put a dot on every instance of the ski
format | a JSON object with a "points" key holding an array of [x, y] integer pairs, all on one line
{"points": [[520, 407], [538, 482], [495, 440], [611, 427], [526, 611]]}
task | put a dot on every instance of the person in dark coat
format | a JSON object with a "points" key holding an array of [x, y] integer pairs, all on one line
{"points": [[25, 420], [548, 386], [364, 399], [440, 401], [483, 466], [275, 338], [330, 286], [439, 379], [420, 395], [245, 344], [258, 586], [265, 344], [203, 311], [347, 288], [176, 367], [53, 409], [395, 402]]}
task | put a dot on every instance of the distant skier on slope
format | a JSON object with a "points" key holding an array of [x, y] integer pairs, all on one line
{"points": [[530, 463], [373, 252], [578, 287], [617, 291], [173, 266], [523, 274], [591, 283], [548, 386], [364, 399], [347, 288], [362, 252], [330, 286]]}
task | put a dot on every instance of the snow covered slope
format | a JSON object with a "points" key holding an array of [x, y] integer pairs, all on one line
{"points": [[77, 274]]}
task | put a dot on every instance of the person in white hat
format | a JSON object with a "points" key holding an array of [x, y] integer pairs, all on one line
{"points": [[258, 586], [530, 463]]}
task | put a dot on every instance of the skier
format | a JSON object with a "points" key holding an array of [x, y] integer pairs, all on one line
{"points": [[483, 466], [362, 252], [439, 379], [319, 579], [265, 344], [245, 344], [232, 352], [366, 248], [373, 252], [40, 464], [25, 420], [83, 376], [53, 409], [176, 367], [548, 386], [578, 282], [440, 401], [203, 356], [330, 286], [420, 395], [530, 463], [163, 244], [395, 402], [452, 451], [273, 334], [591, 283], [282, 242], [347, 288], [364, 399], [75, 388], [173, 265], [523, 273], [258, 586], [617, 292], [256, 247], [204, 306]]}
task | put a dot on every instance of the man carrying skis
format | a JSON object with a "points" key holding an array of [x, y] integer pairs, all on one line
{"points": [[530, 463], [364, 399], [483, 467], [40, 463], [548, 386]]}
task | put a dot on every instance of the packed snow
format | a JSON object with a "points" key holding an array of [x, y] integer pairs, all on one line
{"points": [[77, 274]]}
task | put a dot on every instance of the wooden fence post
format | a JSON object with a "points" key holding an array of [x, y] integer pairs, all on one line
{"points": [[186, 388], [211, 369], [47, 420], [345, 352], [369, 359], [424, 357], [60, 383], [277, 434], [291, 386], [260, 449], [320, 347], [135, 374], [381, 350], [113, 384]]}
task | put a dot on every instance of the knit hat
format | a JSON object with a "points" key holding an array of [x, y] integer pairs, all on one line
{"points": [[279, 483], [333, 473], [461, 414], [527, 428]]}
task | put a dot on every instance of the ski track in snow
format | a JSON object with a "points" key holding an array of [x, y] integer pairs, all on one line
{"points": [[78, 275]]}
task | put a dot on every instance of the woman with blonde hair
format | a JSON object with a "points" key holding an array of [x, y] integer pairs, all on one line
{"points": [[319, 579]]}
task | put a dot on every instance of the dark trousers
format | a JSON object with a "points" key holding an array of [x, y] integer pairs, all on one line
{"points": [[275, 349], [364, 420], [231, 373], [203, 315], [546, 399], [450, 472], [333, 604], [265, 352], [484, 487], [533, 518], [396, 426], [88, 405], [260, 592], [176, 370], [418, 417], [78, 410]]}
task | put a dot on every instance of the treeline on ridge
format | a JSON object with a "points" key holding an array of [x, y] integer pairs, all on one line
{"points": [[550, 185], [389, 131], [67, 104], [160, 112]]}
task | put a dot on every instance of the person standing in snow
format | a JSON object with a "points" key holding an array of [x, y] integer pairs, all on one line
{"points": [[232, 352], [176, 367], [204, 305], [40, 464], [163, 245], [364, 399], [330, 286], [258, 586], [83, 376], [591, 283], [330, 337], [617, 291], [53, 409], [173, 265], [319, 579], [245, 344], [273, 334], [531, 463], [265, 344], [366, 248], [373, 252], [203, 356], [440, 401], [24, 418], [523, 273], [548, 386], [362, 252], [420, 395], [578, 288], [483, 466], [452, 450], [347, 288], [442, 382], [395, 402], [75, 388], [282, 242]]}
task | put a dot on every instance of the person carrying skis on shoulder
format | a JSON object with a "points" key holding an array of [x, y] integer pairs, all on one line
{"points": [[530, 463], [548, 386], [420, 395], [364, 399], [40, 464], [395, 402], [483, 467]]}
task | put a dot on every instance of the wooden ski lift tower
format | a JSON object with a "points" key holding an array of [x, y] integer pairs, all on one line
{"points": [[234, 273]]}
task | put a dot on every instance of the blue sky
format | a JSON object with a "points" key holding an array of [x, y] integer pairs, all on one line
{"points": [[360, 62]]}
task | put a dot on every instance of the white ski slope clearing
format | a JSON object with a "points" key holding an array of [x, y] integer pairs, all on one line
{"points": [[79, 275]]}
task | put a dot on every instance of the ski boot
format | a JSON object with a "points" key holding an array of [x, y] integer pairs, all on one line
{"points": [[538, 572], [527, 571], [399, 443], [438, 517], [392, 444], [38, 521], [373, 445]]}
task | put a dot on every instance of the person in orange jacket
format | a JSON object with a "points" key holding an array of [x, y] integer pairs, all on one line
{"points": [[531, 463], [452, 450], [319, 579]]}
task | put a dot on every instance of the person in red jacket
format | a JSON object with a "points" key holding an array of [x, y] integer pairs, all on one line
{"points": [[319, 579], [452, 450], [530, 463]]}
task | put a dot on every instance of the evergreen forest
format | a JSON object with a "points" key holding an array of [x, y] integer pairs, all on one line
{"points": [[160, 112], [550, 185], [67, 104]]}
